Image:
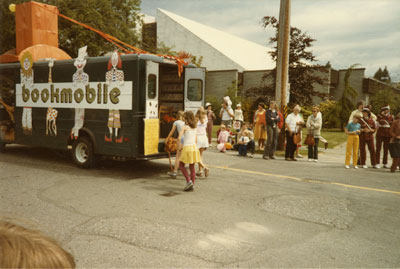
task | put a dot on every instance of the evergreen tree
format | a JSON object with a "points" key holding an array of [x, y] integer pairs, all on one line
{"points": [[385, 76], [118, 18], [328, 64], [382, 75], [378, 74]]}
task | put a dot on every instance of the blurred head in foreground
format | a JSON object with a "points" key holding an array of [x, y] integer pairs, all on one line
{"points": [[24, 248]]}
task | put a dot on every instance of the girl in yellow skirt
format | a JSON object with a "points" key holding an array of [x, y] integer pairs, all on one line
{"points": [[190, 154]]}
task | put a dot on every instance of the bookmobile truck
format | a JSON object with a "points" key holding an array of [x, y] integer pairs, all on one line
{"points": [[91, 109], [129, 118], [118, 106]]}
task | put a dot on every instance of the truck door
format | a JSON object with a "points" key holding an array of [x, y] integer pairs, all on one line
{"points": [[194, 88], [151, 90]]}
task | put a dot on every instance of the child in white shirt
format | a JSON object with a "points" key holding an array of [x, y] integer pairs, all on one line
{"points": [[243, 141]]}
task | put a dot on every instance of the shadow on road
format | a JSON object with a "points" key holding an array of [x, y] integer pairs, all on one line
{"points": [[60, 161]]}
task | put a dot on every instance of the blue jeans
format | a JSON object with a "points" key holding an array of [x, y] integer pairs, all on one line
{"points": [[272, 141], [242, 150]]}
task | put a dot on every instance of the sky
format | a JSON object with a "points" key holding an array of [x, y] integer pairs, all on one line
{"points": [[347, 32]]}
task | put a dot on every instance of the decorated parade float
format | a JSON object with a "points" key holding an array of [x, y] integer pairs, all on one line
{"points": [[119, 106]]}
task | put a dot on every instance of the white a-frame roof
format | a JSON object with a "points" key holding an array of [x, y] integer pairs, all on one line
{"points": [[220, 50]]}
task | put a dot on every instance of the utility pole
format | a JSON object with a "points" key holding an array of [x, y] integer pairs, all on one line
{"points": [[282, 64]]}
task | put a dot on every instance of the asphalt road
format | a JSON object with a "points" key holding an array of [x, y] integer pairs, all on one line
{"points": [[247, 213]]}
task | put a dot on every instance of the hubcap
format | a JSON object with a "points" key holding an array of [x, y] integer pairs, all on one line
{"points": [[81, 152]]}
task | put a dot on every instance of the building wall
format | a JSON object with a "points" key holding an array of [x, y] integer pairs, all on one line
{"points": [[179, 38], [217, 82], [355, 81], [253, 79]]}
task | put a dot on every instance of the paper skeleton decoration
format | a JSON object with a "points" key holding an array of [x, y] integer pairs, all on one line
{"points": [[51, 117], [114, 75], [79, 77], [27, 79]]}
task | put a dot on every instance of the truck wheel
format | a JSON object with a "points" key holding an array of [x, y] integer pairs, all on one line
{"points": [[82, 152]]}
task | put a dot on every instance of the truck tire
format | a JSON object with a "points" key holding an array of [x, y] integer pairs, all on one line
{"points": [[82, 152]]}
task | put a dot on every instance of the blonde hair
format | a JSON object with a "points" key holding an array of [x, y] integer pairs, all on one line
{"points": [[203, 115], [199, 112], [315, 107], [179, 115], [24, 248]]}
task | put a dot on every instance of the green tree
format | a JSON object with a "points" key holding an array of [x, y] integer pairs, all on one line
{"points": [[385, 76], [302, 74], [382, 75], [378, 74], [118, 18], [385, 97]]}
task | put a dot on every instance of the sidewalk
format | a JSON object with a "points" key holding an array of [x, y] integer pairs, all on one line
{"points": [[330, 155]]}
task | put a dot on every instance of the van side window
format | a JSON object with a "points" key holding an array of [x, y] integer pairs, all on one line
{"points": [[151, 86], [195, 90]]}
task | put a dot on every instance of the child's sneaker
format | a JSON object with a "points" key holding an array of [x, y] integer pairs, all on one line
{"points": [[365, 166], [356, 167], [377, 166], [206, 171], [189, 186], [310, 160], [172, 174], [347, 167], [315, 160], [386, 166]]}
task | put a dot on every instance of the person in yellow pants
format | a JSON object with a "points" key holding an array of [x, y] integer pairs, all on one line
{"points": [[352, 130]]}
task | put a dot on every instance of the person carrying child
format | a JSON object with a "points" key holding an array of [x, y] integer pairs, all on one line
{"points": [[190, 154], [353, 129], [238, 119]]}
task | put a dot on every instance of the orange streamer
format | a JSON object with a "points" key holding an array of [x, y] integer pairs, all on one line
{"points": [[180, 62]]}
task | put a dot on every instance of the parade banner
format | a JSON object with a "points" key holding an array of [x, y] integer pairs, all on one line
{"points": [[95, 95]]}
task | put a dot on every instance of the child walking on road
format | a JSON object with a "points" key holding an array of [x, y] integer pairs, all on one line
{"points": [[352, 130], [202, 141], [190, 154], [177, 126]]}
